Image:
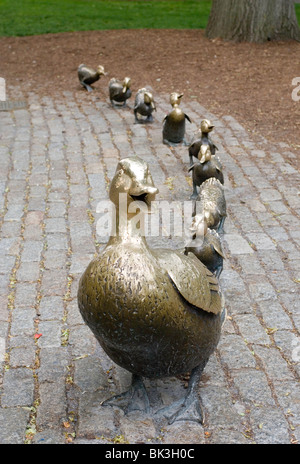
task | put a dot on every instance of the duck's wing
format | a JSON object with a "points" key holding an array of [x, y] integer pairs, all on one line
{"points": [[214, 147], [115, 88], [196, 284], [192, 167], [188, 118], [216, 160], [85, 71]]}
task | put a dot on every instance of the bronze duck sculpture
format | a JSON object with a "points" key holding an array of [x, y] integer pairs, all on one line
{"points": [[87, 76], [174, 122], [208, 166], [205, 128], [206, 245], [212, 203], [155, 312], [144, 105], [119, 92]]}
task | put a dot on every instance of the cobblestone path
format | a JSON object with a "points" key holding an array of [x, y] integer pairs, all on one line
{"points": [[57, 157]]}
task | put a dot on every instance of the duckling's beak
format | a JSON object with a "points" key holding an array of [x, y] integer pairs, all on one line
{"points": [[199, 226], [205, 154], [126, 84]]}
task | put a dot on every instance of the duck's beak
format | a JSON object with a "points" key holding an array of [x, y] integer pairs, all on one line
{"points": [[152, 190], [142, 192]]}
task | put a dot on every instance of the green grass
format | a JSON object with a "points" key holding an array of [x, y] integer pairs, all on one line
{"points": [[31, 17]]}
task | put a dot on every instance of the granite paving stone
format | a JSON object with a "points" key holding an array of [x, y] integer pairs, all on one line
{"points": [[57, 157], [18, 387]]}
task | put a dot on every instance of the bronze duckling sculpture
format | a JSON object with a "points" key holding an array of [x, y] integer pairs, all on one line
{"points": [[155, 312], [212, 202], [119, 92], [205, 128], [87, 76], [174, 122], [206, 245], [144, 105], [207, 166]]}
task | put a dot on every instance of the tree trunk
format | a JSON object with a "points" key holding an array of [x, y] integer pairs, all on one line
{"points": [[253, 20]]}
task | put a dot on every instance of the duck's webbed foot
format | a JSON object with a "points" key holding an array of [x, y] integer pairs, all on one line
{"points": [[220, 228], [136, 398], [218, 271], [194, 195], [87, 87], [188, 408]]}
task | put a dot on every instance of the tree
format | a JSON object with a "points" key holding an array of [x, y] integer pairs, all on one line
{"points": [[253, 20]]}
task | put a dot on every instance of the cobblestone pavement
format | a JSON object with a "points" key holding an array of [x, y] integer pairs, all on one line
{"points": [[57, 158]]}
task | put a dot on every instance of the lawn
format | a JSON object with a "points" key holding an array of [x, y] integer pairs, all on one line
{"points": [[31, 17]]}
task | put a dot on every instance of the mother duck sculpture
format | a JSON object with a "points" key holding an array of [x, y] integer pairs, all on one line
{"points": [[155, 312]]}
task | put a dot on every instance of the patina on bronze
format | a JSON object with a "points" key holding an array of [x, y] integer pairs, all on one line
{"points": [[211, 203], [144, 105], [87, 76], [174, 122], [205, 128], [208, 166], [155, 312], [119, 92], [206, 245]]}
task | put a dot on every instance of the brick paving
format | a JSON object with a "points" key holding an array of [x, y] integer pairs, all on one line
{"points": [[57, 157]]}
